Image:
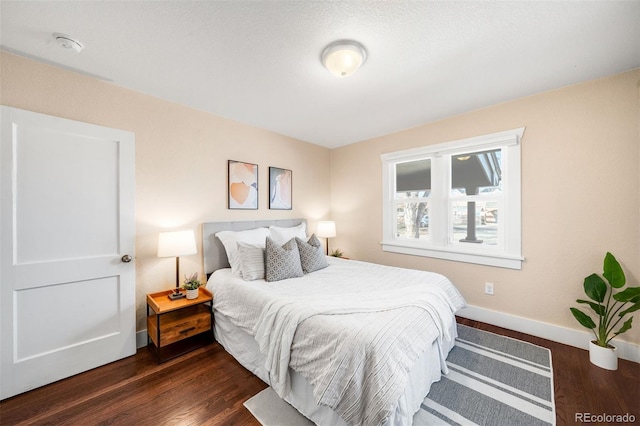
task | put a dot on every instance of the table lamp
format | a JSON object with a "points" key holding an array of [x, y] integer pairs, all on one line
{"points": [[326, 229], [176, 244]]}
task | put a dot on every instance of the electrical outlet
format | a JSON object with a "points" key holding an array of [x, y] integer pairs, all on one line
{"points": [[488, 288]]}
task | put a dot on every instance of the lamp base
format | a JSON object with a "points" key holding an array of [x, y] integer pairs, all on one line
{"points": [[176, 295]]}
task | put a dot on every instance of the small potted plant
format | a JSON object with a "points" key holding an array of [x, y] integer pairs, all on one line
{"points": [[608, 307], [336, 253], [191, 285]]}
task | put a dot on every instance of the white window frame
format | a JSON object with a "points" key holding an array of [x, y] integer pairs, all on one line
{"points": [[439, 244]]}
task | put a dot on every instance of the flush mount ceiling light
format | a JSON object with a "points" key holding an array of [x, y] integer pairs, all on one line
{"points": [[343, 57], [68, 42]]}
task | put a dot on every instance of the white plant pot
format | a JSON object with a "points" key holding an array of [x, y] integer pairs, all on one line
{"points": [[606, 358], [192, 294]]}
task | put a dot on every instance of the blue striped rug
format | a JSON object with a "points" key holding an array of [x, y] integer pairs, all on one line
{"points": [[492, 380]]}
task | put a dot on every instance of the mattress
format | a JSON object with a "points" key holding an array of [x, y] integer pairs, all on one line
{"points": [[346, 355]]}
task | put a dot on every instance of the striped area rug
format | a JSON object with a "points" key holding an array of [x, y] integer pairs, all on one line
{"points": [[492, 380]]}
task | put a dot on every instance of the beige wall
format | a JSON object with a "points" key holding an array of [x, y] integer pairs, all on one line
{"points": [[181, 159], [580, 196], [580, 172]]}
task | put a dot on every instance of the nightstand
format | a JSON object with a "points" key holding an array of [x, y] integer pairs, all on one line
{"points": [[175, 327]]}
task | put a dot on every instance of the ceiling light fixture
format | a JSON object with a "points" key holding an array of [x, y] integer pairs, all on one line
{"points": [[68, 42], [343, 57]]}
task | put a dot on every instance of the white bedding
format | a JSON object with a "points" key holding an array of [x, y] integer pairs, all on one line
{"points": [[354, 351]]}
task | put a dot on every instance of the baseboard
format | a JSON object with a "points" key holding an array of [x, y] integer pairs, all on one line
{"points": [[577, 338], [141, 339]]}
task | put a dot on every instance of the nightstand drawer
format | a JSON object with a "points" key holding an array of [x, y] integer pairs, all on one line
{"points": [[180, 324]]}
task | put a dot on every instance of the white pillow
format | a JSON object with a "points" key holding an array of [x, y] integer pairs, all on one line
{"points": [[281, 235], [251, 261], [230, 240]]}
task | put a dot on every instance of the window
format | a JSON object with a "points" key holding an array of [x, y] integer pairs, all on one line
{"points": [[458, 200]]}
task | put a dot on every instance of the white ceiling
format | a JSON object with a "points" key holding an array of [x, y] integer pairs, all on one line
{"points": [[258, 62]]}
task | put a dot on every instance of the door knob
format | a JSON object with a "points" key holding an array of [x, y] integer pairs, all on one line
{"points": [[126, 258]]}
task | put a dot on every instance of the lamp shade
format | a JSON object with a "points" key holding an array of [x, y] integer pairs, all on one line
{"points": [[176, 243], [342, 58], [326, 229]]}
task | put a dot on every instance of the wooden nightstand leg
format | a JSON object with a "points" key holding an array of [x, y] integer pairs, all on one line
{"points": [[158, 337], [211, 311], [148, 338]]}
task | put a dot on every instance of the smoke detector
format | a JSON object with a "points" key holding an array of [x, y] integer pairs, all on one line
{"points": [[68, 42]]}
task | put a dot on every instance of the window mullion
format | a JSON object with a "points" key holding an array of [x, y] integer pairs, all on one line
{"points": [[439, 221]]}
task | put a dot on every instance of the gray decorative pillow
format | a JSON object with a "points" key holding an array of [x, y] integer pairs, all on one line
{"points": [[251, 261], [282, 262], [311, 256]]}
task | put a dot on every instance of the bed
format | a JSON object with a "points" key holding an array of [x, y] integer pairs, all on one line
{"points": [[349, 343]]}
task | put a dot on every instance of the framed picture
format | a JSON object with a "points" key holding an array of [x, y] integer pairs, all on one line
{"points": [[243, 185], [280, 193]]}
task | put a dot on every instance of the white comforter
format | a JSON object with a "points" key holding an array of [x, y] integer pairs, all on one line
{"points": [[353, 330]]}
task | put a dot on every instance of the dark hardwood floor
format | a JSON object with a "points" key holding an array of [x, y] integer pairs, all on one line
{"points": [[207, 386]]}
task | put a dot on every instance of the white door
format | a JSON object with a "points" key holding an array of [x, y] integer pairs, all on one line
{"points": [[67, 298]]}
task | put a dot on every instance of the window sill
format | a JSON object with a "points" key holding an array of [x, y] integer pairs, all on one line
{"points": [[489, 259]]}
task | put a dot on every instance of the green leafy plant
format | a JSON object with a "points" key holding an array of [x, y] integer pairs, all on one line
{"points": [[191, 282], [336, 253], [608, 305]]}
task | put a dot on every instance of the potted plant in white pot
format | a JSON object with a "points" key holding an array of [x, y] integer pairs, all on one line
{"points": [[611, 308], [191, 285]]}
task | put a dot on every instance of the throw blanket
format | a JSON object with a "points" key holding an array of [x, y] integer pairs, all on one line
{"points": [[331, 327], [344, 391]]}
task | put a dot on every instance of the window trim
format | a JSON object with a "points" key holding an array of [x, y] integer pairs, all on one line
{"points": [[438, 245]]}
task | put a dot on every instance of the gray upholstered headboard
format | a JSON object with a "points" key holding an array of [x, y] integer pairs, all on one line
{"points": [[213, 251]]}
